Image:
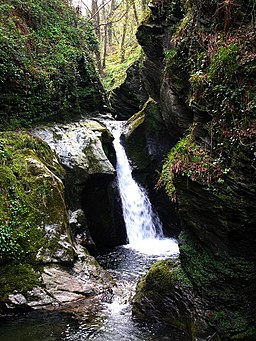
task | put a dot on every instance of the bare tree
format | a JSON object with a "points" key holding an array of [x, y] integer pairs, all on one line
{"points": [[96, 21], [122, 47], [105, 37]]}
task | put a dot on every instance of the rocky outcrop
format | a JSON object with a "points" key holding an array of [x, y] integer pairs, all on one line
{"points": [[212, 171], [79, 227], [42, 266], [167, 89], [147, 141], [62, 287], [165, 295], [130, 96], [84, 148], [80, 148]]}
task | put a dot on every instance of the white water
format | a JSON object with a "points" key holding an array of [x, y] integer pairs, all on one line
{"points": [[143, 226], [113, 320]]}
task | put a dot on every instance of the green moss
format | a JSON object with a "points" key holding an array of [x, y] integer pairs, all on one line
{"points": [[161, 277], [18, 278], [46, 64], [218, 279], [30, 194], [33, 214]]}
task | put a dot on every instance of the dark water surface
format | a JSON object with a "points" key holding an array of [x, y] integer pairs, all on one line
{"points": [[112, 321]]}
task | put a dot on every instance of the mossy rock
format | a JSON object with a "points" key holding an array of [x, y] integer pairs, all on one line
{"points": [[146, 137], [165, 294], [34, 223], [17, 277], [226, 285]]}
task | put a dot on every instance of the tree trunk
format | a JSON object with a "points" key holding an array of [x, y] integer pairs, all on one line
{"points": [[122, 47], [96, 22], [110, 24], [105, 37]]}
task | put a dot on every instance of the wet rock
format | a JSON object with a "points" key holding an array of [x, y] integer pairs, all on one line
{"points": [[176, 115], [165, 295], [102, 206], [64, 286], [17, 299], [146, 137], [78, 146], [82, 148], [80, 230], [147, 142], [85, 149], [84, 279]]}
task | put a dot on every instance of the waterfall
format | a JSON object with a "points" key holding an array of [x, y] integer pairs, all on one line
{"points": [[140, 220]]}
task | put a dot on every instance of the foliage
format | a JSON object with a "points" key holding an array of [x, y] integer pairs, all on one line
{"points": [[115, 24], [169, 58], [190, 160], [217, 73], [115, 72], [45, 63]]}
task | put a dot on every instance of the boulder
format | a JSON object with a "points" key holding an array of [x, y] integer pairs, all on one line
{"points": [[164, 295], [84, 148], [37, 249]]}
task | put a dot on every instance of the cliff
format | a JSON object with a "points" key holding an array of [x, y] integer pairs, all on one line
{"points": [[200, 67]]}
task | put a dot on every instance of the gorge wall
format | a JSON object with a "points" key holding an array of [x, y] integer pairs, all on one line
{"points": [[200, 68], [199, 71], [46, 74]]}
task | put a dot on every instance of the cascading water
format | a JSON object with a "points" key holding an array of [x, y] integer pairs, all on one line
{"points": [[141, 222], [112, 320], [143, 226]]}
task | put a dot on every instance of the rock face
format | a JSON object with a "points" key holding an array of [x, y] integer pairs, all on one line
{"points": [[61, 287], [147, 141], [165, 295], [214, 176], [41, 264], [166, 89], [79, 148], [130, 96], [84, 148]]}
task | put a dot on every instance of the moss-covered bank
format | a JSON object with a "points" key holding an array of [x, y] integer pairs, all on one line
{"points": [[33, 217], [46, 66]]}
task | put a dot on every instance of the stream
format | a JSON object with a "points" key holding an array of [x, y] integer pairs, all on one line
{"points": [[113, 320]]}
